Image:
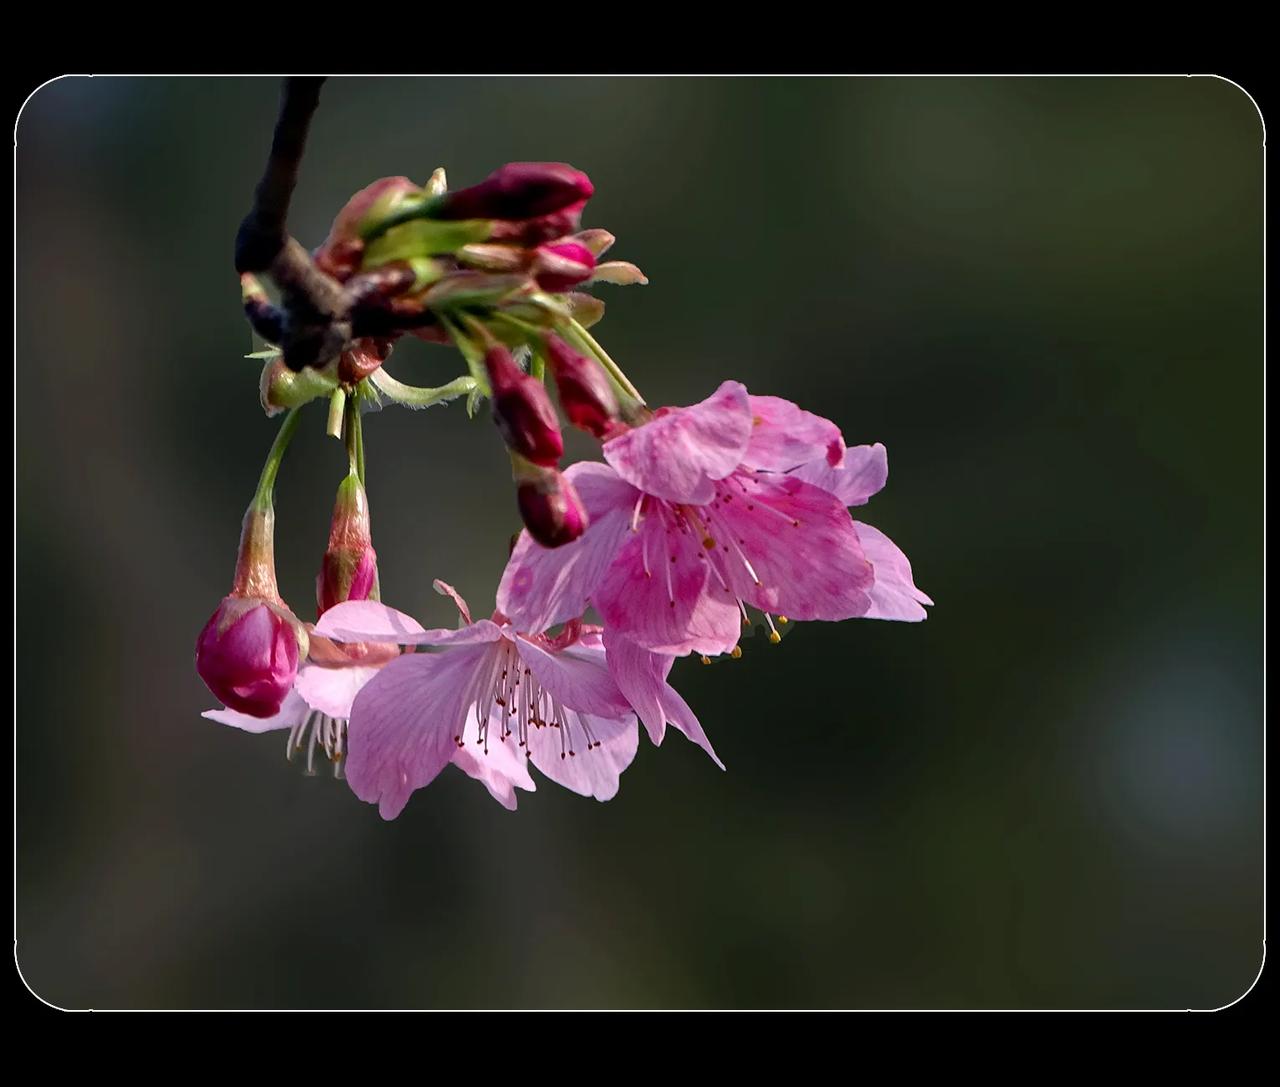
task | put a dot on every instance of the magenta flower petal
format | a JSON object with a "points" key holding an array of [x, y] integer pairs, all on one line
{"points": [[894, 594], [680, 453], [864, 472], [788, 547], [370, 621], [658, 591], [642, 678], [404, 723], [564, 756], [576, 677], [784, 436], [292, 711], [332, 690], [544, 586], [501, 770]]}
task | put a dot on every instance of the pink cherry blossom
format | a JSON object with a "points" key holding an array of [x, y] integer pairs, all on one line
{"points": [[705, 510], [491, 693]]}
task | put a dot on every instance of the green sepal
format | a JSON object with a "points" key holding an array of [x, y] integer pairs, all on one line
{"points": [[422, 238]]}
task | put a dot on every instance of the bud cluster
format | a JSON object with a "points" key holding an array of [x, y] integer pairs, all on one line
{"points": [[494, 270]]}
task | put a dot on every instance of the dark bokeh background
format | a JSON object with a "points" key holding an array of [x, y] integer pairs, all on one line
{"points": [[1043, 295]]}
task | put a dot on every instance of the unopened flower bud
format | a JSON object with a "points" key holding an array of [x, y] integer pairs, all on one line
{"points": [[549, 506], [522, 410], [349, 570], [558, 266], [518, 190], [248, 651], [341, 252], [585, 392], [362, 358], [543, 228]]}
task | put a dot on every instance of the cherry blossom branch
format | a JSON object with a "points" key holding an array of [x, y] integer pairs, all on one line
{"points": [[312, 324]]}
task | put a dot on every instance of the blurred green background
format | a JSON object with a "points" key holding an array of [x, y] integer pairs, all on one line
{"points": [[1043, 295]]}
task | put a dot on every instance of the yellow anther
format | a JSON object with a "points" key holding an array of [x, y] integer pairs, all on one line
{"points": [[736, 652], [783, 620], [775, 637], [706, 660]]}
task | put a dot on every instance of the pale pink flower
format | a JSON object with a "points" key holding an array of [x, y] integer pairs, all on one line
{"points": [[490, 694], [701, 511]]}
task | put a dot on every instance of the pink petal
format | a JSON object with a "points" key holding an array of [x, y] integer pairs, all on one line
{"points": [[589, 771], [369, 621], [292, 711], [682, 452], [660, 593], [894, 595], [642, 678], [864, 472], [784, 436], [404, 721], [332, 690], [544, 586], [787, 547], [501, 769], [578, 679]]}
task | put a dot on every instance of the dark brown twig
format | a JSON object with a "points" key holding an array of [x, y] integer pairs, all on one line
{"points": [[314, 326], [263, 233]]}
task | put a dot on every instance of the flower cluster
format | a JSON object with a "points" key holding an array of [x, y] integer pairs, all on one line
{"points": [[698, 518]]}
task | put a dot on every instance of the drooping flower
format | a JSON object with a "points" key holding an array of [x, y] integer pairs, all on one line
{"points": [[549, 506], [493, 691], [522, 410], [700, 512], [247, 654], [585, 394]]}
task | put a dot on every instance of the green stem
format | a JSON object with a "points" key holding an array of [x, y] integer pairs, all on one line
{"points": [[357, 425], [468, 350], [350, 415], [587, 341], [337, 405], [262, 498], [412, 396]]}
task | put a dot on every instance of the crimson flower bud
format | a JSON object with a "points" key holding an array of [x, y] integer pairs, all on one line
{"points": [[549, 506], [522, 410], [349, 570], [585, 392], [543, 228], [341, 252], [363, 357], [561, 265], [248, 651], [518, 190]]}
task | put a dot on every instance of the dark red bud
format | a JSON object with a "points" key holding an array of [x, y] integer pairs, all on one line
{"points": [[541, 229], [522, 410], [559, 266], [363, 357], [518, 190], [551, 509], [340, 254], [585, 392]]}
